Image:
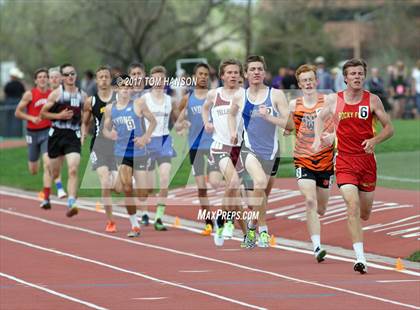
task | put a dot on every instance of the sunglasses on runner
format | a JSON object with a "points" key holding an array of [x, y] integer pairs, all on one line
{"points": [[69, 74]]}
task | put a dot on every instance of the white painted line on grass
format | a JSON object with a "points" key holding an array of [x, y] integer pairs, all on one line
{"points": [[55, 293], [278, 275], [92, 261]]}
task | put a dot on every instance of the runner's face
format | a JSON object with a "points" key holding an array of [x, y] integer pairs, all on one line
{"points": [[103, 79], [202, 76], [230, 76], [158, 80], [69, 76], [124, 92], [308, 82], [137, 74], [255, 73], [41, 80], [355, 77], [55, 79]]}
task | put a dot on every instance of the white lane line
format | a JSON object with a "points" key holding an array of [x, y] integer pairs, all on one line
{"points": [[227, 262], [288, 248], [194, 271], [55, 293], [150, 298], [87, 260], [396, 281], [385, 177]]}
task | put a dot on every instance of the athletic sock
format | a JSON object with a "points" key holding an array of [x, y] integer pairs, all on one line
{"points": [[358, 249], [251, 225], [262, 229], [209, 222], [160, 210], [58, 185], [316, 241], [71, 201], [133, 220], [47, 191]]}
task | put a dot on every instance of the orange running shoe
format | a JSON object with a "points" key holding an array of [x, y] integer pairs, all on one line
{"points": [[207, 230], [111, 227]]}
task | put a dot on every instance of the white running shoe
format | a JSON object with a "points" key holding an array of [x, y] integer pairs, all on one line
{"points": [[228, 230], [218, 236], [61, 193], [360, 266]]}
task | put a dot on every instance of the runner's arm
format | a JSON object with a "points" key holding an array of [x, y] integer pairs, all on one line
{"points": [[20, 111], [107, 130], [235, 107], [387, 131], [52, 98], [205, 113], [325, 113], [86, 119]]}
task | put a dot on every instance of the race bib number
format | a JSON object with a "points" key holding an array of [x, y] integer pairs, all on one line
{"points": [[299, 172], [130, 125], [29, 139], [363, 112]]}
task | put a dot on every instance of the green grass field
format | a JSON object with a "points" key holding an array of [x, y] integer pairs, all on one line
{"points": [[398, 163]]}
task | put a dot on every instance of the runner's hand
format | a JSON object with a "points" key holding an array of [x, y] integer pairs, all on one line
{"points": [[208, 127], [65, 114], [369, 145]]}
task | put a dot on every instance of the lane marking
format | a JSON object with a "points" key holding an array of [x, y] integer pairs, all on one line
{"points": [[194, 271], [55, 293], [142, 275], [396, 281], [235, 264], [150, 298], [385, 177]]}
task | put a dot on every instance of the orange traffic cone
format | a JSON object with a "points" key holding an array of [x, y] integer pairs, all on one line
{"points": [[41, 195], [98, 207], [272, 240], [399, 265], [177, 222]]}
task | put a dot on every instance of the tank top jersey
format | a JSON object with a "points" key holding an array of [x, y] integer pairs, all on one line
{"points": [[219, 114], [260, 136], [71, 101], [355, 123], [128, 126], [34, 107], [98, 109], [161, 112], [304, 119], [198, 138]]}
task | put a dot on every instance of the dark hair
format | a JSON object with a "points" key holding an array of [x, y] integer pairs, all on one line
{"points": [[255, 58], [65, 66], [40, 70], [89, 74], [103, 68], [201, 65], [355, 62], [136, 65], [228, 62]]}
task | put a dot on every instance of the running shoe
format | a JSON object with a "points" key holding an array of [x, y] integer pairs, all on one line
{"points": [[45, 204], [218, 236], [320, 254], [159, 225], [264, 240], [250, 239], [72, 211], [228, 230], [360, 266], [243, 242], [61, 193], [207, 230], [145, 220], [111, 227], [134, 232]]}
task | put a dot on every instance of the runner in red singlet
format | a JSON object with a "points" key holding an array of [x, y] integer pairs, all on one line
{"points": [[354, 111]]}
